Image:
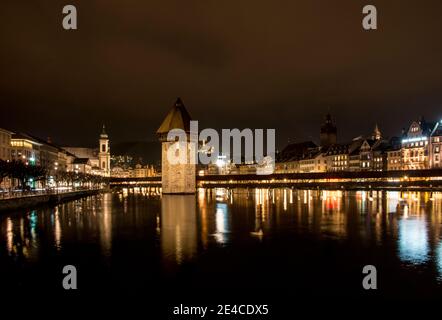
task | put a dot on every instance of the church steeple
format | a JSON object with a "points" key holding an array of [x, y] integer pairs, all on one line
{"points": [[104, 152], [328, 134], [377, 135], [103, 132]]}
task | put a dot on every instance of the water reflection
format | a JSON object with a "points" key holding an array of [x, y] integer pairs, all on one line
{"points": [[403, 226], [178, 227], [222, 223], [104, 219], [439, 260], [57, 229], [413, 240], [25, 234], [9, 235], [404, 219]]}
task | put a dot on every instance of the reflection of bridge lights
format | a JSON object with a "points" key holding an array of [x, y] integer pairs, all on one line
{"points": [[221, 218], [439, 260], [413, 241], [33, 223], [158, 223], [332, 199], [9, 235], [257, 196], [57, 229], [261, 196], [221, 222], [221, 194], [259, 234], [393, 199], [285, 199], [201, 194], [178, 245]]}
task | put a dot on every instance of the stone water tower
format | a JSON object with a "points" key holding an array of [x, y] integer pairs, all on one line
{"points": [[177, 178]]}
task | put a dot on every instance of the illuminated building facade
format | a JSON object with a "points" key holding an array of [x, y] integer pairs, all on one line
{"points": [[290, 166], [141, 171], [419, 148], [374, 153], [354, 160], [338, 157], [82, 165], [415, 146], [99, 158], [354, 155], [5, 144], [49, 157], [65, 160], [36, 151], [52, 157], [366, 155], [361, 154], [290, 157], [313, 161], [380, 155], [394, 159], [5, 154], [25, 149], [436, 146]]}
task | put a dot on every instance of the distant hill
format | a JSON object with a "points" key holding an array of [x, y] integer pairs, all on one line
{"points": [[148, 151]]}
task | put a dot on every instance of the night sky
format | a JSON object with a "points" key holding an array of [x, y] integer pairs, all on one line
{"points": [[258, 64]]}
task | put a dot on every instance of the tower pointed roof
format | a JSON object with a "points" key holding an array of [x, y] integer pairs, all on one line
{"points": [[177, 118], [377, 133], [103, 132]]}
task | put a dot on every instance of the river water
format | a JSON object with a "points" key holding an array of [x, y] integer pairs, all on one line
{"points": [[310, 241]]}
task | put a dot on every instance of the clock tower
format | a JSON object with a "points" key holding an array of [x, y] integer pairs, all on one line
{"points": [[104, 153]]}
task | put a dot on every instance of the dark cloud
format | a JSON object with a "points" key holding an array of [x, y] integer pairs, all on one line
{"points": [[275, 64]]}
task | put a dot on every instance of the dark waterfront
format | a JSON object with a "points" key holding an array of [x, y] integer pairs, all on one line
{"points": [[281, 240]]}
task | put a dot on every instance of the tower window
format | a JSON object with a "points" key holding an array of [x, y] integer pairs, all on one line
{"points": [[103, 148]]}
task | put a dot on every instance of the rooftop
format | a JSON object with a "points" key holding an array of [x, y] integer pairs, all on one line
{"points": [[81, 161], [177, 118]]}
